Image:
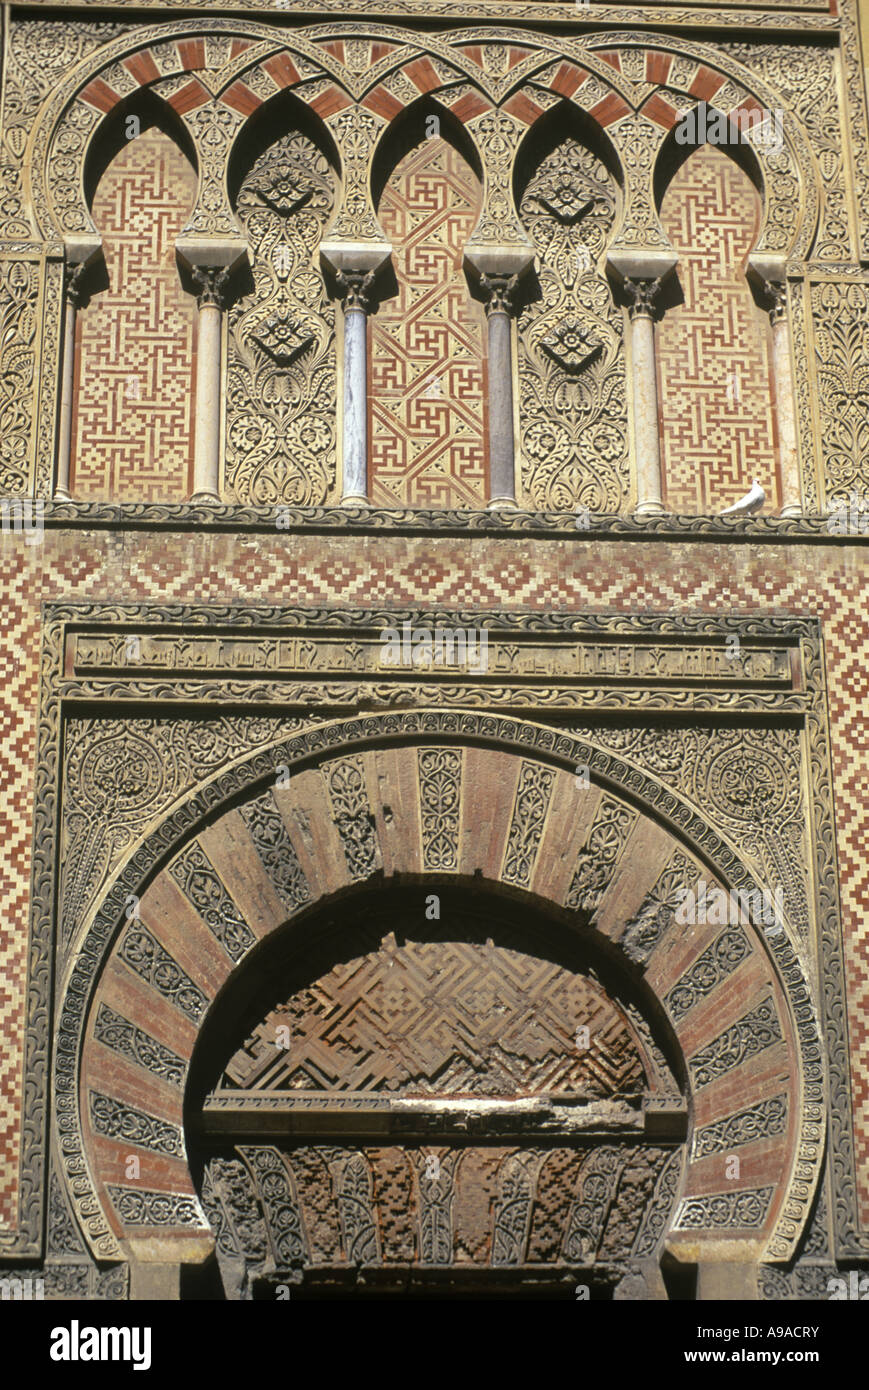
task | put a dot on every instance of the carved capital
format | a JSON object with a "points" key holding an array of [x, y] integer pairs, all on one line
{"points": [[73, 279], [500, 290], [211, 283], [642, 294], [777, 300], [355, 289]]}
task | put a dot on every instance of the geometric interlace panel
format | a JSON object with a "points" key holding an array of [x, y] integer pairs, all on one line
{"points": [[133, 423], [445, 1017], [714, 351], [428, 342]]}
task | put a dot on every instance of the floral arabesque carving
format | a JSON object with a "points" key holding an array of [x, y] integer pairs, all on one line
{"points": [[280, 433], [572, 395]]}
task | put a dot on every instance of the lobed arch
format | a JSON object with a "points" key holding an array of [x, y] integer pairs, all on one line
{"points": [[567, 120], [403, 69], [354, 786]]}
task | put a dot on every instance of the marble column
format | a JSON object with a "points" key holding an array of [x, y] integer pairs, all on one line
{"points": [[73, 275], [502, 460], [211, 282], [792, 502], [642, 294], [355, 287]]}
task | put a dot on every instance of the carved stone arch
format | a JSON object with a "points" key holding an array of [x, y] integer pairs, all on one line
{"points": [[98, 133], [281, 113], [672, 155], [408, 128], [147, 109], [428, 338], [735, 996], [712, 211], [790, 184], [166, 57]]}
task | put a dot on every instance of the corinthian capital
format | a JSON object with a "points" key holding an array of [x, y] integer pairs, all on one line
{"points": [[211, 282], [500, 290], [642, 294], [355, 288]]}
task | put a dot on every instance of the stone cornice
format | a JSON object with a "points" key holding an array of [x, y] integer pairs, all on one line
{"points": [[800, 15], [286, 520]]}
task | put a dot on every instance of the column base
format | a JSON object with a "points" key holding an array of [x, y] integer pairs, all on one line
{"points": [[205, 497], [502, 503], [62, 494], [646, 509], [355, 499], [792, 510]]}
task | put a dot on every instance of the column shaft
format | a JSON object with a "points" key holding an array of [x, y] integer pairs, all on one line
{"points": [[502, 464], [355, 404], [502, 457], [206, 448], [67, 384], [649, 500], [645, 394], [792, 504]]}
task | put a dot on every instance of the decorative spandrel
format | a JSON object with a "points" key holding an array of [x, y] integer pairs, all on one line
{"points": [[572, 395], [281, 383]]}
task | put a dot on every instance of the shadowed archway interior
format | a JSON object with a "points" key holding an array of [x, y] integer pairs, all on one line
{"points": [[431, 1087]]}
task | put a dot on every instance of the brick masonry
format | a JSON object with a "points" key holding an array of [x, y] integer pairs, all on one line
{"points": [[580, 575]]}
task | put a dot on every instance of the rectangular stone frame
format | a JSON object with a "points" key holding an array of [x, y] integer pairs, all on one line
{"points": [[802, 703]]}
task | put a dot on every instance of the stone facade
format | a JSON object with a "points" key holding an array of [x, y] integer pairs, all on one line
{"points": [[382, 678]]}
